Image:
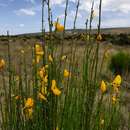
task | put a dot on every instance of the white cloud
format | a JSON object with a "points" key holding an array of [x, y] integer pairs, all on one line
{"points": [[57, 2], [107, 5], [21, 25], [23, 11], [71, 15]]}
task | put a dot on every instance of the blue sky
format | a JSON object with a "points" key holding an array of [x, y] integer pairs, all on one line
{"points": [[24, 16]]}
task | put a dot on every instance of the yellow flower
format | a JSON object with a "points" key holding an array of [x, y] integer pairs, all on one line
{"points": [[63, 58], [114, 99], [57, 128], [46, 66], [28, 113], [38, 58], [50, 58], [117, 81], [99, 37], [116, 90], [42, 72], [40, 53], [53, 84], [43, 75], [29, 103], [58, 27], [46, 79], [54, 88], [41, 96], [56, 91], [37, 47], [2, 63], [66, 73], [39, 50], [44, 90], [102, 122], [103, 87]]}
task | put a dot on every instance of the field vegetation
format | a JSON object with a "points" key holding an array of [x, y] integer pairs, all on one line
{"points": [[65, 81]]}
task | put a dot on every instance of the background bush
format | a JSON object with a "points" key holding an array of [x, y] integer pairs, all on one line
{"points": [[120, 63]]}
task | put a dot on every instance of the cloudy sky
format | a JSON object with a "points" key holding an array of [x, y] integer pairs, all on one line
{"points": [[24, 16]]}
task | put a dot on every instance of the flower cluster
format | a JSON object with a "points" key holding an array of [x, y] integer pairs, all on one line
{"points": [[39, 52], [28, 108], [2, 63], [115, 88], [58, 27]]}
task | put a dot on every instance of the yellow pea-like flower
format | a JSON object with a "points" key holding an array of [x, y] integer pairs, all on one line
{"points": [[42, 72], [41, 96], [37, 46], [63, 58], [99, 37], [2, 63], [102, 122], [66, 73], [46, 79], [39, 50], [38, 58], [29, 103], [56, 91], [44, 90], [29, 113], [58, 27], [57, 128], [50, 58], [114, 99], [103, 87], [46, 66], [53, 84], [40, 53], [54, 88], [117, 81], [116, 90]]}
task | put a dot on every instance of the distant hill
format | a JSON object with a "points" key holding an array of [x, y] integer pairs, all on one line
{"points": [[125, 30], [118, 36]]}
